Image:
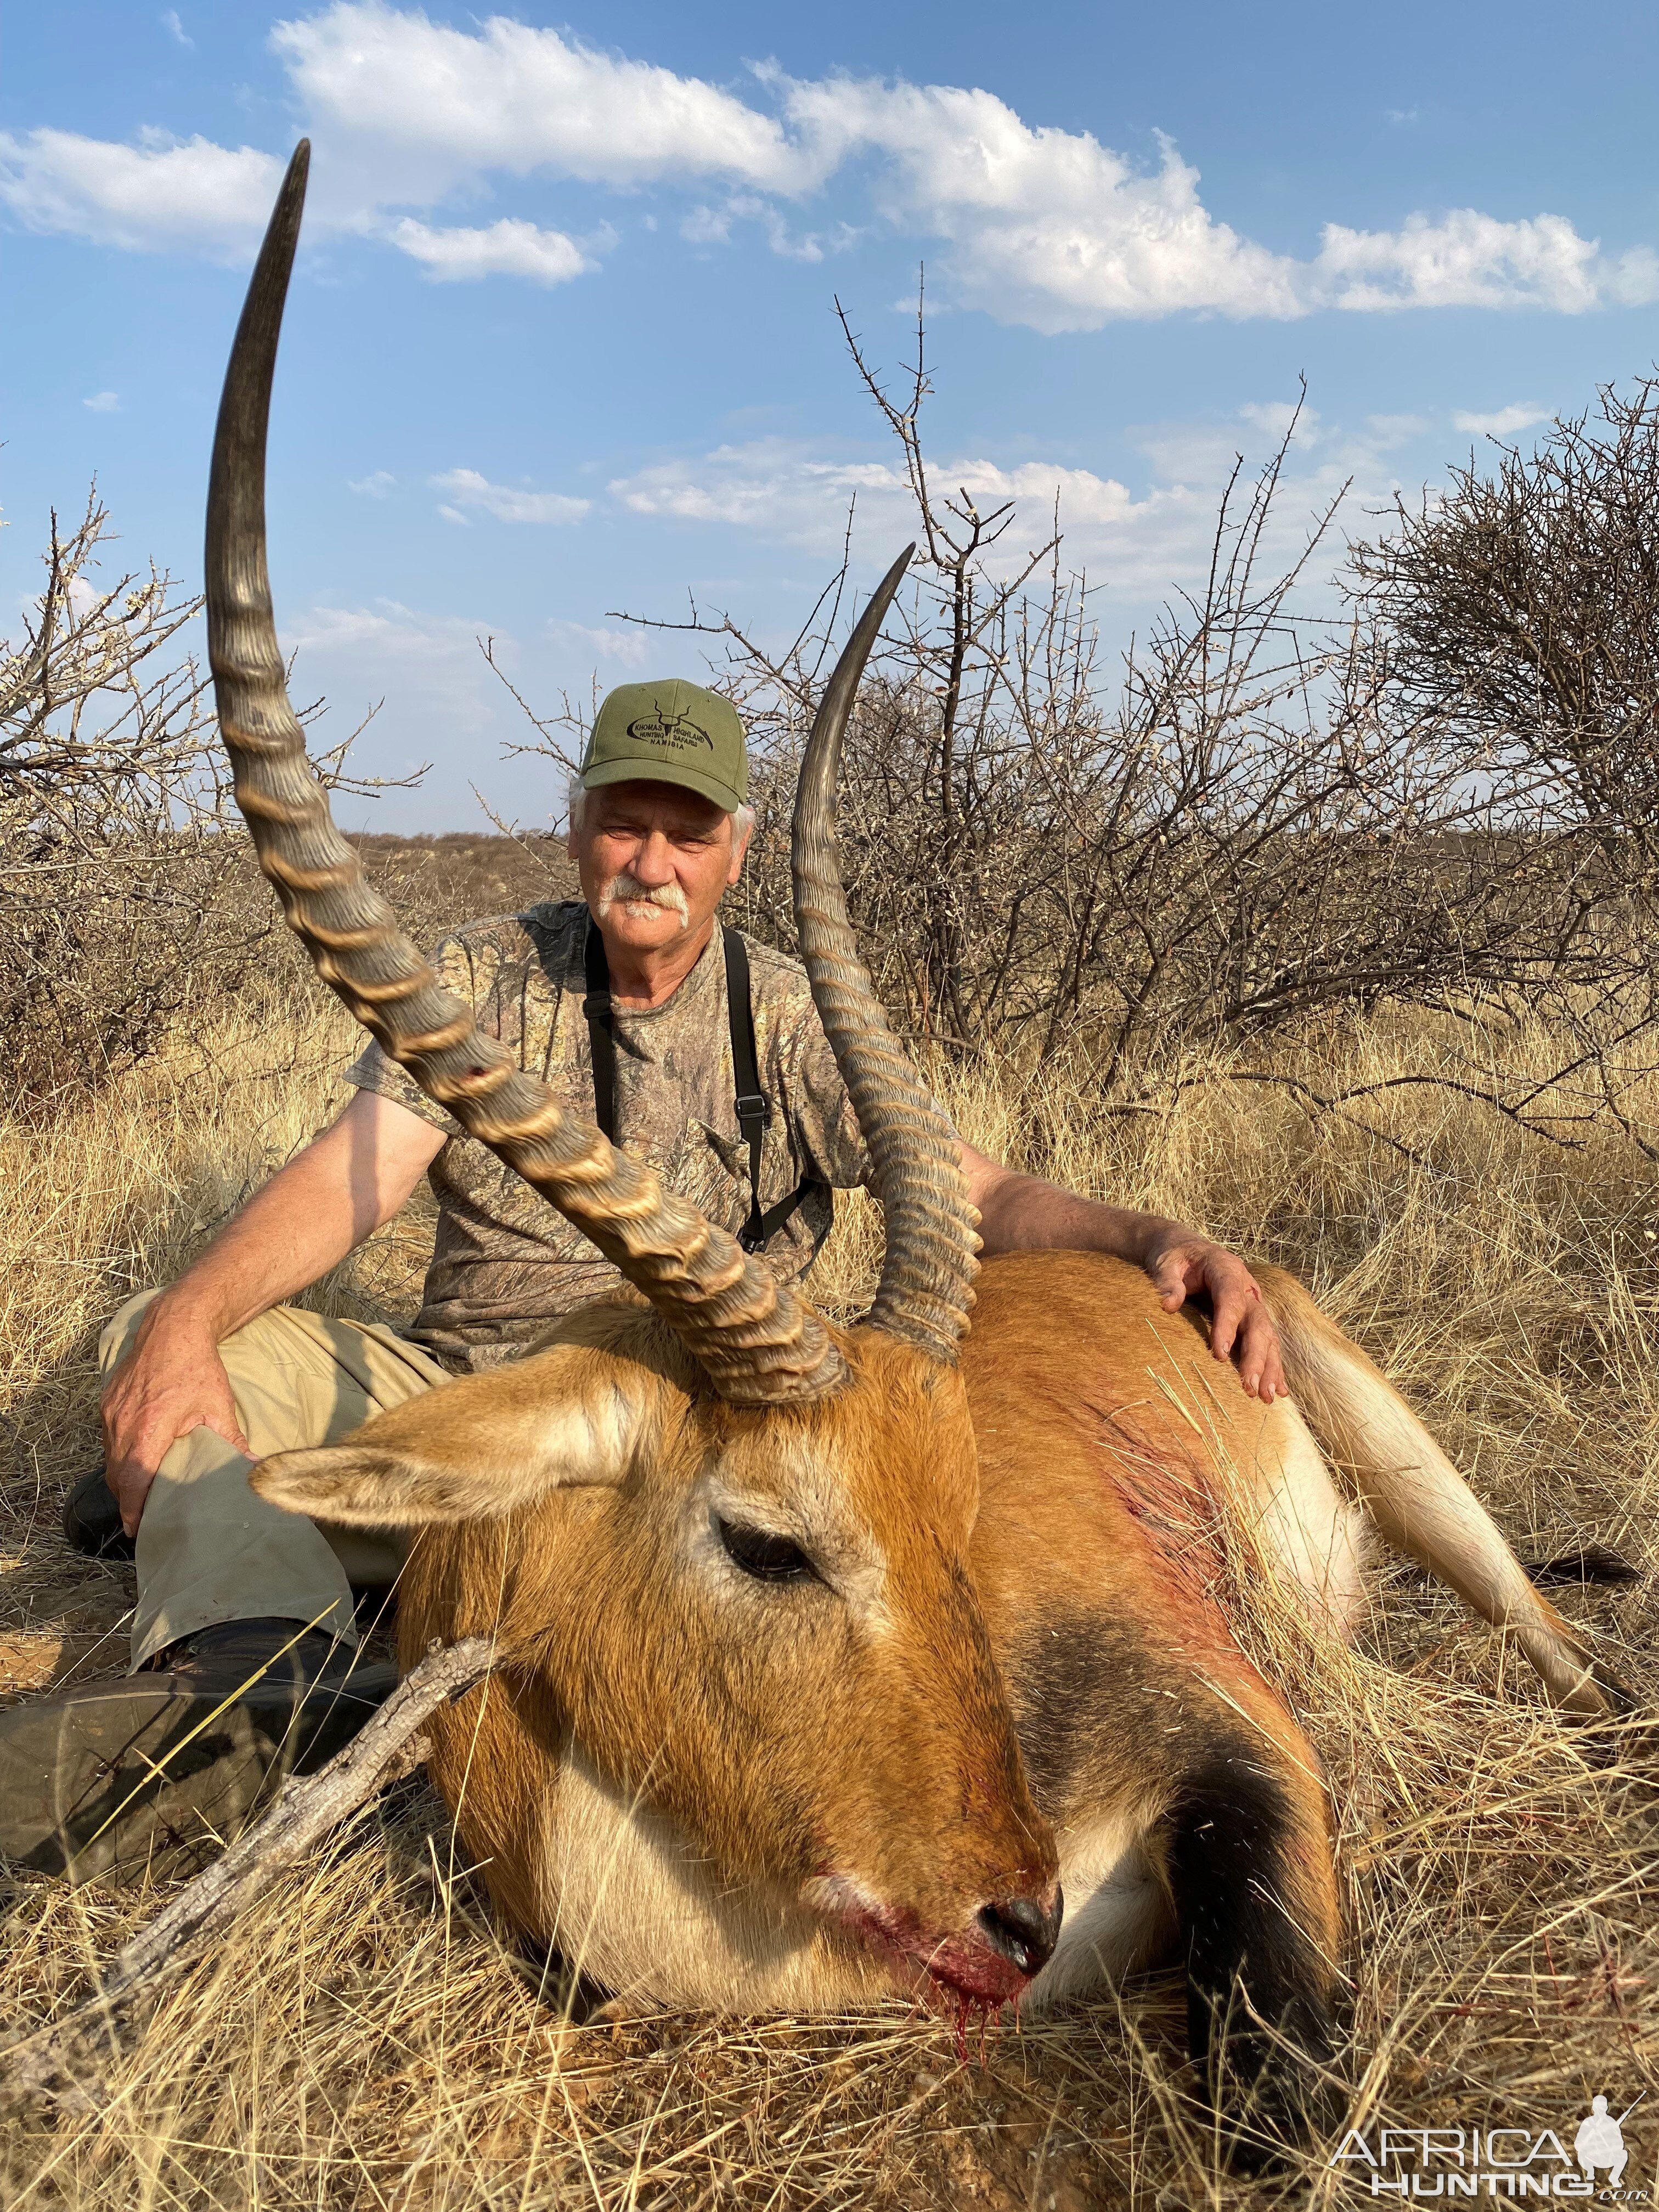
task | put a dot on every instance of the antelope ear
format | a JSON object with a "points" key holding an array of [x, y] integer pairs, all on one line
{"points": [[478, 1447]]}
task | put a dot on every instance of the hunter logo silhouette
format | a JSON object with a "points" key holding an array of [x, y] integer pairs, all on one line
{"points": [[1485, 2162], [675, 730], [1599, 2142]]}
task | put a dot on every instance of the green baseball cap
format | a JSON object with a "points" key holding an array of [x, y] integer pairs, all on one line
{"points": [[670, 732]]}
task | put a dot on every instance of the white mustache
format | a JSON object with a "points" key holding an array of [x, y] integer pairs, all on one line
{"points": [[624, 890]]}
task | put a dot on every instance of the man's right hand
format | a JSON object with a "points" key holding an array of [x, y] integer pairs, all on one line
{"points": [[311, 1213], [171, 1382]]}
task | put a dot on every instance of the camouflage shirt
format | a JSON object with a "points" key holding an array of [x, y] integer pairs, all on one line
{"points": [[506, 1263]]}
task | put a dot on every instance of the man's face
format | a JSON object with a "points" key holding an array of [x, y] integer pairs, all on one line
{"points": [[653, 861]]}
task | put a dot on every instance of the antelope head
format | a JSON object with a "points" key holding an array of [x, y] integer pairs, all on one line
{"points": [[724, 1543]]}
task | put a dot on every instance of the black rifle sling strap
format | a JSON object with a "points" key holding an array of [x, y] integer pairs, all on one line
{"points": [[754, 1109], [601, 1037]]}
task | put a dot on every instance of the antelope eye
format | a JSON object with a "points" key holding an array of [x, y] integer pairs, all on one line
{"points": [[769, 1559]]}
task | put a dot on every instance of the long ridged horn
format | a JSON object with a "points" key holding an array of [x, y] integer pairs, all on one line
{"points": [[756, 1341], [927, 1276]]}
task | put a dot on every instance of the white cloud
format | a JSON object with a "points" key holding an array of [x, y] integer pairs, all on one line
{"points": [[373, 486], [1473, 260], [630, 648], [104, 403], [445, 105], [707, 225], [774, 485], [174, 28], [162, 193], [1631, 280], [386, 622], [1038, 225], [439, 700], [780, 490], [1388, 430], [1143, 544], [1058, 231], [1051, 227], [1274, 417], [508, 248], [1503, 422], [466, 488]]}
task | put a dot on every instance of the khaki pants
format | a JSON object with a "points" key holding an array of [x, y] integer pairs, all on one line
{"points": [[208, 1548]]}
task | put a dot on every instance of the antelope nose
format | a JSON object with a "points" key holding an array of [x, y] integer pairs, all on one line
{"points": [[1023, 1928]]}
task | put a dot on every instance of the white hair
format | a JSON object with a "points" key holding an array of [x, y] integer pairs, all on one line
{"points": [[742, 818]]}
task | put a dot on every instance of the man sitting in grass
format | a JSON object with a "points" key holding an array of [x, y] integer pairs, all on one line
{"points": [[697, 1049]]}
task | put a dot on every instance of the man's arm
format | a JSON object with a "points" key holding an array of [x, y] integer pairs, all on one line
{"points": [[311, 1213], [1022, 1213]]}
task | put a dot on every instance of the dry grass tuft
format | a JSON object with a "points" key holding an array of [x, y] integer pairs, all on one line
{"points": [[366, 2040]]}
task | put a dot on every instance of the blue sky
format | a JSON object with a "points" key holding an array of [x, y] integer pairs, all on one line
{"points": [[561, 341]]}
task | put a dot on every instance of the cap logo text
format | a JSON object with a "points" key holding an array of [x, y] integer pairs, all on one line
{"points": [[676, 729]]}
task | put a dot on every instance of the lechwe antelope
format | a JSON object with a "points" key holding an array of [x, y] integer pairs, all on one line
{"points": [[843, 1661]]}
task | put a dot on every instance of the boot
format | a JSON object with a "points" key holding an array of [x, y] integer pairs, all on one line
{"points": [[92, 1520], [158, 1772]]}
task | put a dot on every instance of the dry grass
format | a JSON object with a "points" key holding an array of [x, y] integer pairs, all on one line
{"points": [[368, 2041]]}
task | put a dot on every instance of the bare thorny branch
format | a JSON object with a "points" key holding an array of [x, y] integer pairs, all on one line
{"points": [[1270, 818], [124, 890]]}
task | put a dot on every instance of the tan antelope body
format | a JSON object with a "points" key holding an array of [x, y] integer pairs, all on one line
{"points": [[839, 1663], [711, 1791], [1097, 1562]]}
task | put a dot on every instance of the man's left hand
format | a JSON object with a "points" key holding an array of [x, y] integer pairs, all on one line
{"points": [[1022, 1213], [1182, 1265]]}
